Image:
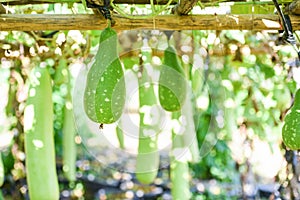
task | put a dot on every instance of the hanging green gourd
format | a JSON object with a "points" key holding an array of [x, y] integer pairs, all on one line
{"points": [[69, 133], [39, 140], [291, 128], [172, 82], [147, 162], [104, 95], [179, 168], [189, 136], [147, 149]]}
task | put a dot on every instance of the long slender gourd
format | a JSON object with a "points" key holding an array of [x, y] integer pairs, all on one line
{"points": [[69, 133], [189, 134], [39, 141], [147, 163], [179, 169]]}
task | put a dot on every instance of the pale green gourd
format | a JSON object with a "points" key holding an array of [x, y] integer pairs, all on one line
{"points": [[69, 133], [172, 82], [39, 139], [147, 162], [179, 168], [104, 95]]}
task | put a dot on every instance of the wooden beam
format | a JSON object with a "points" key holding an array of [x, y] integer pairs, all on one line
{"points": [[158, 2], [25, 2], [29, 22], [213, 52]]}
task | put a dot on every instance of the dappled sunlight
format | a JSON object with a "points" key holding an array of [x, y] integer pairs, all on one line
{"points": [[181, 154], [235, 18], [267, 159], [29, 121], [38, 144], [32, 92], [271, 24]]}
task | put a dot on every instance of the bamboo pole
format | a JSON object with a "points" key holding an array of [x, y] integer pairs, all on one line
{"points": [[159, 2], [30, 22]]}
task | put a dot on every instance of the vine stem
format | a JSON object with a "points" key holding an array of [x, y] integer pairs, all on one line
{"points": [[108, 23], [152, 6], [124, 14]]}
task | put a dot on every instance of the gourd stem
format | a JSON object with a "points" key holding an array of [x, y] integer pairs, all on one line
{"points": [[108, 23]]}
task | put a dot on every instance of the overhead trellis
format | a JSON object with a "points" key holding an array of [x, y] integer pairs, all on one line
{"points": [[178, 16]]}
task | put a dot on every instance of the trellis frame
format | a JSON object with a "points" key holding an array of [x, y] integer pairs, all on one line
{"points": [[178, 21]]}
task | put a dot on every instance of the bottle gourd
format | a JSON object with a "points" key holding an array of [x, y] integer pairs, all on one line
{"points": [[172, 83], [104, 95]]}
